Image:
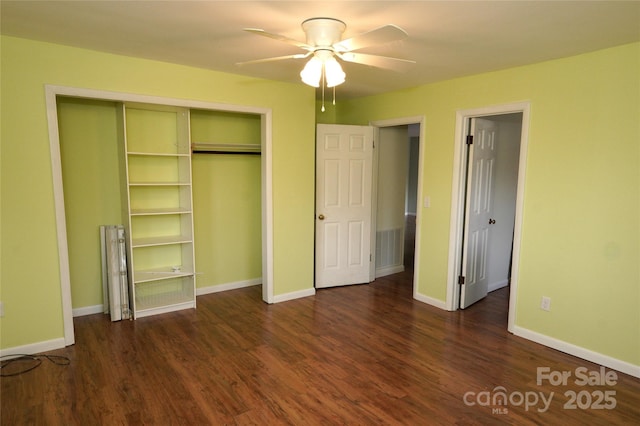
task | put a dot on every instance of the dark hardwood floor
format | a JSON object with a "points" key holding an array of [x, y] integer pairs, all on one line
{"points": [[357, 355]]}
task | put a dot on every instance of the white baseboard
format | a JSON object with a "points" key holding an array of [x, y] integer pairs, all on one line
{"points": [[430, 301], [88, 310], [388, 270], [580, 352], [35, 348], [98, 309], [294, 295], [228, 286], [498, 285]]}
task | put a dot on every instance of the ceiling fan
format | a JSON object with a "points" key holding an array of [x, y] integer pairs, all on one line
{"points": [[324, 44]]}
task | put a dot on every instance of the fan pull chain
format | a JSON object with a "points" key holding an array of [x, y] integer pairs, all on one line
{"points": [[322, 109]]}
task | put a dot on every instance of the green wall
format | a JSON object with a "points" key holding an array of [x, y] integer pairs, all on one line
{"points": [[226, 200], [91, 180], [29, 272], [581, 230]]}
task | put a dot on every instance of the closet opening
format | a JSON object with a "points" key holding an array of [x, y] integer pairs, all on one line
{"points": [[87, 175]]}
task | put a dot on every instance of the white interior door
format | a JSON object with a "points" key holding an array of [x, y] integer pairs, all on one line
{"points": [[479, 207], [344, 165]]}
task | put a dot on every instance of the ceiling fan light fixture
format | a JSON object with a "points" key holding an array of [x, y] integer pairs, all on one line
{"points": [[322, 62], [312, 72], [333, 72]]}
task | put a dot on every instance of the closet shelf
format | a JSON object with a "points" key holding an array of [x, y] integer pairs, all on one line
{"points": [[168, 210], [159, 275], [159, 183], [226, 148], [160, 241], [155, 154]]}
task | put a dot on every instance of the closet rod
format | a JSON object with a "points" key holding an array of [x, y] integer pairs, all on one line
{"points": [[226, 152], [221, 148]]}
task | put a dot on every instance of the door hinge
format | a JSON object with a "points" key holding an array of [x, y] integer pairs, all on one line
{"points": [[460, 279], [469, 139], [373, 143], [370, 257]]}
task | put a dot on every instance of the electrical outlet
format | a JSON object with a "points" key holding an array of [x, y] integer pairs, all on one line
{"points": [[545, 304]]}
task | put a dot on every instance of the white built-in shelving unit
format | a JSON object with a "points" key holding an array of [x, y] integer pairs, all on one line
{"points": [[157, 159]]}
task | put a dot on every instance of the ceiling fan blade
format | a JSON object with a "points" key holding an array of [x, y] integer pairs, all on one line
{"points": [[385, 34], [386, 62], [279, 37], [275, 58]]}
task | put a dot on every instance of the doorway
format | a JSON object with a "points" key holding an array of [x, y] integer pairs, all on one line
{"points": [[491, 178], [397, 190], [397, 154], [500, 265]]}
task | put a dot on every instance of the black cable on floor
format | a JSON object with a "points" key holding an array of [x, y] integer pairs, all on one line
{"points": [[33, 360]]}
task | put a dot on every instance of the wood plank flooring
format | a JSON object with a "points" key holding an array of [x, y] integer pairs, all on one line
{"points": [[357, 355]]}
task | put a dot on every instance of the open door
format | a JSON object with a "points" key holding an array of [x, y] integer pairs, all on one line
{"points": [[344, 167], [479, 208]]}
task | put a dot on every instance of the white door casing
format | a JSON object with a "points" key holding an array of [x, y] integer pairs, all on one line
{"points": [[479, 208], [344, 166]]}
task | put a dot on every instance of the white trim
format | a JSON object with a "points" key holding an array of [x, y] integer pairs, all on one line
{"points": [[267, 207], [61, 224], [430, 301], [389, 270], [78, 92], [294, 295], [497, 285], [457, 202], [578, 351], [420, 120], [88, 310], [228, 286], [373, 258], [51, 93], [35, 348]]}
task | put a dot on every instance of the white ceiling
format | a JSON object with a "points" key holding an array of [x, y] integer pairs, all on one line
{"points": [[447, 39]]}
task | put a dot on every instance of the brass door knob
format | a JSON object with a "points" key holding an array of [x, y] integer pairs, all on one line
{"points": [[321, 217]]}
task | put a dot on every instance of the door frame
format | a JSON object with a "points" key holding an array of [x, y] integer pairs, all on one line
{"points": [[51, 94], [393, 122], [456, 231]]}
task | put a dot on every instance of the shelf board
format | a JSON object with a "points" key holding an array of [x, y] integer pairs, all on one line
{"points": [[158, 154], [160, 241], [151, 212], [151, 275], [159, 183]]}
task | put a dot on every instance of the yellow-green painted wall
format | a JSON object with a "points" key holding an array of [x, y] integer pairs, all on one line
{"points": [[226, 200], [581, 229], [29, 272], [91, 180]]}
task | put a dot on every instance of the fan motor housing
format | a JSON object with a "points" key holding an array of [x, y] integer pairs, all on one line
{"points": [[323, 32]]}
